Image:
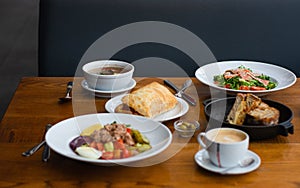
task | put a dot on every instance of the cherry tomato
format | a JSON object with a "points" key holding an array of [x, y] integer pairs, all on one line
{"points": [[228, 86], [257, 88], [121, 141], [244, 88]]}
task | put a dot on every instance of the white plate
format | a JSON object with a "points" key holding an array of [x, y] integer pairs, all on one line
{"points": [[108, 94], [282, 76], [201, 158], [61, 134], [180, 109]]}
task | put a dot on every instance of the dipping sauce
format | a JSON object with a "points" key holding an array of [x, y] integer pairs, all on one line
{"points": [[109, 70]]}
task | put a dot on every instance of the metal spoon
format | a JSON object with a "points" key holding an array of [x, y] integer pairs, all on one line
{"points": [[32, 150], [244, 163], [67, 97]]}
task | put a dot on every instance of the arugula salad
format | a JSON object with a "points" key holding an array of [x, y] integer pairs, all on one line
{"points": [[243, 78]]}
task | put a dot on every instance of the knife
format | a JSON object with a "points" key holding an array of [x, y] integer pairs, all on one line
{"points": [[46, 151], [180, 93]]}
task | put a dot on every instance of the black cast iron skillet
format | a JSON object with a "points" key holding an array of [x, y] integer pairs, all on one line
{"points": [[215, 114]]}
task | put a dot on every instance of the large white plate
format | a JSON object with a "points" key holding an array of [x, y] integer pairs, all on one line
{"points": [[282, 76], [61, 134], [180, 109]]}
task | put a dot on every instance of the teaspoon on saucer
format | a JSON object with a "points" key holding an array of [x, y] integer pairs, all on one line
{"points": [[244, 163]]}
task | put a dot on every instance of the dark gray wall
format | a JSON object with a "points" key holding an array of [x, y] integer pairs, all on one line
{"points": [[18, 45]]}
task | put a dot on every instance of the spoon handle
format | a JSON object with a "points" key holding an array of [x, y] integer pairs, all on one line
{"points": [[46, 151], [33, 149], [69, 87], [185, 85]]}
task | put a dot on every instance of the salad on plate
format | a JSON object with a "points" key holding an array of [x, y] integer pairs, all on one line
{"points": [[243, 78]]}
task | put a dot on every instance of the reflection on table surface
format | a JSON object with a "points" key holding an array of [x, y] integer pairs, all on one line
{"points": [[35, 104]]}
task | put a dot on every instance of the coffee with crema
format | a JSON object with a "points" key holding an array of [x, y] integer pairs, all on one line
{"points": [[225, 146], [227, 136]]}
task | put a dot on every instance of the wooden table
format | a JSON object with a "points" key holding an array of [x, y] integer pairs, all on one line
{"points": [[35, 104]]}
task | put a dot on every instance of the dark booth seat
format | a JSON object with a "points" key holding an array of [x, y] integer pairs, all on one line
{"points": [[266, 31]]}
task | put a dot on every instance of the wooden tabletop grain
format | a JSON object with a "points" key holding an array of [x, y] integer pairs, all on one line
{"points": [[35, 104]]}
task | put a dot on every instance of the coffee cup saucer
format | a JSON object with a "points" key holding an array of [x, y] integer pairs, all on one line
{"points": [[202, 159], [111, 93]]}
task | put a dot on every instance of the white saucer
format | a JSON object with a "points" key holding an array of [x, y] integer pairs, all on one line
{"points": [[108, 94], [201, 158]]}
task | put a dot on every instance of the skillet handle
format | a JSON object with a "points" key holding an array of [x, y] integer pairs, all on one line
{"points": [[284, 130], [207, 101], [291, 128]]}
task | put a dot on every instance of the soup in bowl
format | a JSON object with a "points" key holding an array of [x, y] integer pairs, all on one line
{"points": [[108, 75]]}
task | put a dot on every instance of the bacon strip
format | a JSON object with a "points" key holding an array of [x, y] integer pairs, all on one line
{"points": [[244, 74], [229, 74], [264, 82]]}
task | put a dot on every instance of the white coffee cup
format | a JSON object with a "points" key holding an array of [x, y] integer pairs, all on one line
{"points": [[225, 146]]}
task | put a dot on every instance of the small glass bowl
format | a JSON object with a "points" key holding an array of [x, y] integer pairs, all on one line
{"points": [[186, 128]]}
